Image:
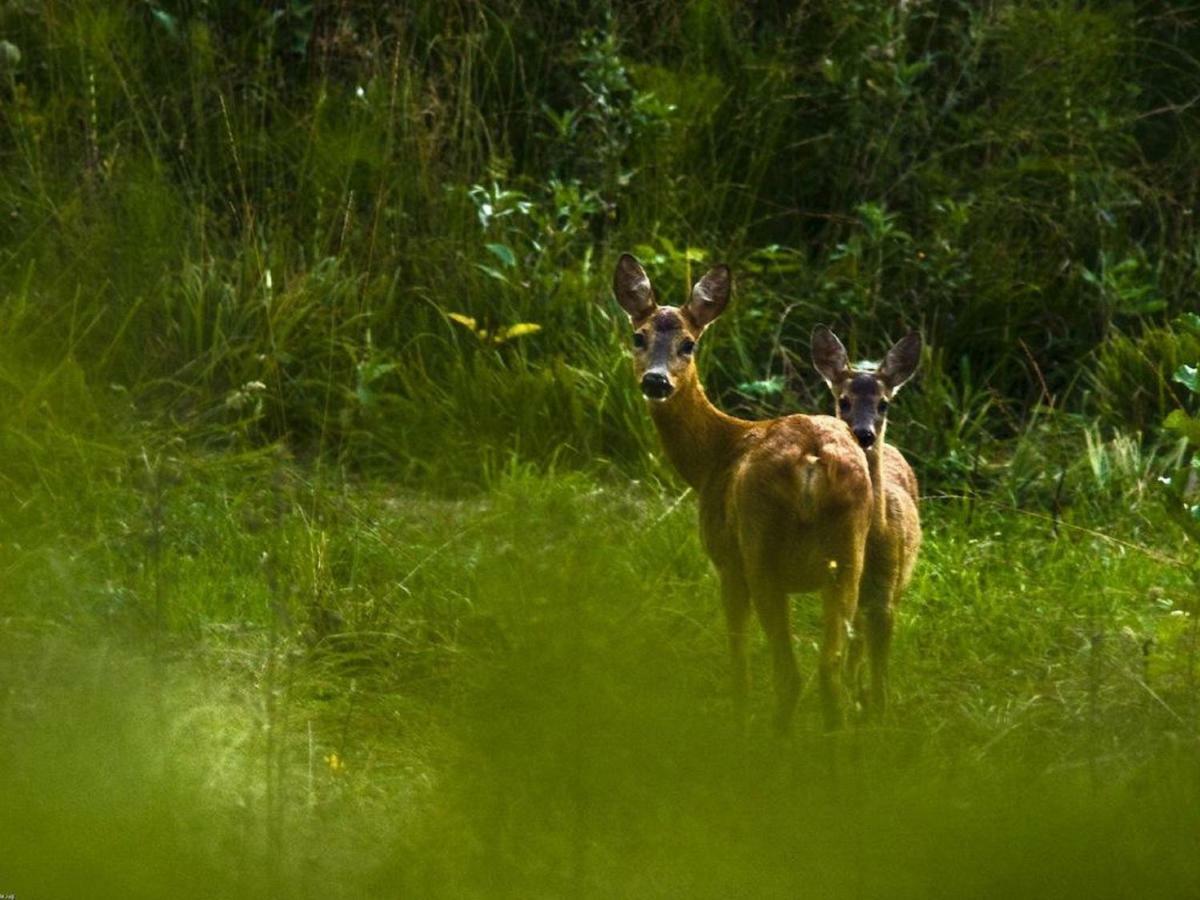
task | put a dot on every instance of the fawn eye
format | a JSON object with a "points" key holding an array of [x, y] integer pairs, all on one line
{"points": [[883, 405], [639, 340], [844, 404], [686, 347]]}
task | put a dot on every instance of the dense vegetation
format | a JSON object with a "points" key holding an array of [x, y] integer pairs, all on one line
{"points": [[336, 553]]}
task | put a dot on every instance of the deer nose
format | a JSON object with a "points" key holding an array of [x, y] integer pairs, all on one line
{"points": [[865, 436], [656, 385]]}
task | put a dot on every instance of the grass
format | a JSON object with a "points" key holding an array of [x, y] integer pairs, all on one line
{"points": [[235, 679]]}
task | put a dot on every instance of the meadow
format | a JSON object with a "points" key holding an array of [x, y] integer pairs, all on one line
{"points": [[337, 555]]}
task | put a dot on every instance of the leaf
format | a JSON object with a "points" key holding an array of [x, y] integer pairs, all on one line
{"points": [[1189, 378], [493, 272], [10, 54], [503, 253], [465, 321], [1184, 425], [166, 20], [767, 387], [516, 331]]}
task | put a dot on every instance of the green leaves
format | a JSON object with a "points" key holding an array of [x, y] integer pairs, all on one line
{"points": [[1180, 421], [1184, 425], [1187, 376]]}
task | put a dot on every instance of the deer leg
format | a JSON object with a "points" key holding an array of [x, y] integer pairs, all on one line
{"points": [[880, 622], [856, 657], [840, 601], [735, 599], [772, 607]]}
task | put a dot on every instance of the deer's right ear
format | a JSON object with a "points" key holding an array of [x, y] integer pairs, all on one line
{"points": [[829, 356], [631, 286]]}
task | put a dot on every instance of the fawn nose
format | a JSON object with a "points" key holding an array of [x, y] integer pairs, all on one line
{"points": [[866, 437], [656, 385]]}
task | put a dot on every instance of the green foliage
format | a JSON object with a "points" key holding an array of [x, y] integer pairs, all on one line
{"points": [[1131, 380], [292, 196]]}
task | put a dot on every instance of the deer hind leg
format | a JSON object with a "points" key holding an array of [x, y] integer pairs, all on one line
{"points": [[735, 598], [840, 603], [774, 614], [856, 657], [880, 620], [876, 621]]}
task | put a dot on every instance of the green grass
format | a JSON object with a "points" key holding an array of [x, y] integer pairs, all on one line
{"points": [[524, 691]]}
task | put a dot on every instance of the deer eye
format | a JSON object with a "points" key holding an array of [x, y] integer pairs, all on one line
{"points": [[844, 404], [639, 340], [883, 405], [686, 347]]}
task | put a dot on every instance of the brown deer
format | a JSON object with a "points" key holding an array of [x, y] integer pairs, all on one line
{"points": [[785, 503], [862, 395]]}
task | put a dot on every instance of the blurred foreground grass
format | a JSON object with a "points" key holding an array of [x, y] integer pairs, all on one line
{"points": [[241, 679]]}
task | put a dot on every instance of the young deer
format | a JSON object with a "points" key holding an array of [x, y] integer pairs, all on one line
{"points": [[785, 504], [862, 396]]}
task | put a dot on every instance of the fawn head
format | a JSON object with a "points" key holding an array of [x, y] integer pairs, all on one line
{"points": [[664, 337], [864, 392]]}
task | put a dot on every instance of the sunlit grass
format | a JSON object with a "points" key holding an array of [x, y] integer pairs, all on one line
{"points": [[315, 688]]}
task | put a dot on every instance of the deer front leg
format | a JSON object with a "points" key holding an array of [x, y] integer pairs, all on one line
{"points": [[735, 599], [772, 607]]}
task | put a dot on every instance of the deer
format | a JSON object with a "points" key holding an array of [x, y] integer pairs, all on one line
{"points": [[862, 395], [784, 504]]}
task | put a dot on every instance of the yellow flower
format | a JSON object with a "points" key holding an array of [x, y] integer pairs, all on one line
{"points": [[336, 763]]}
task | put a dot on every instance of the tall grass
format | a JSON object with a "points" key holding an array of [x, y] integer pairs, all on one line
{"points": [[214, 197]]}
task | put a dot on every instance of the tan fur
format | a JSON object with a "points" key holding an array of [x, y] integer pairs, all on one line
{"points": [[894, 538], [784, 504]]}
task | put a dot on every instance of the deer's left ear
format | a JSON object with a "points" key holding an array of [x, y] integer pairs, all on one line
{"points": [[901, 361], [709, 296]]}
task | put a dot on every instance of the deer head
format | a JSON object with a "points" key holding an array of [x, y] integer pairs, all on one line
{"points": [[664, 337], [864, 392]]}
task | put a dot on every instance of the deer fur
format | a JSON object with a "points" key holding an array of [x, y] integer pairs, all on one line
{"points": [[862, 395], [784, 504]]}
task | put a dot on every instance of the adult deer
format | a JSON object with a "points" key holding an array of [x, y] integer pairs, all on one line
{"points": [[785, 503], [862, 395]]}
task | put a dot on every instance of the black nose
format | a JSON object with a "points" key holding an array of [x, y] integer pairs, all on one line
{"points": [[656, 385], [866, 437]]}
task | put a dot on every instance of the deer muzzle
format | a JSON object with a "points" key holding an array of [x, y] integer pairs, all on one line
{"points": [[656, 385]]}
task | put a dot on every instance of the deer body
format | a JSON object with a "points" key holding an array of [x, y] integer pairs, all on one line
{"points": [[785, 504], [894, 538]]}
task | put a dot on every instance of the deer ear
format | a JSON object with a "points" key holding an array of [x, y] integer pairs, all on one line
{"points": [[829, 356], [709, 296], [631, 286], [901, 361]]}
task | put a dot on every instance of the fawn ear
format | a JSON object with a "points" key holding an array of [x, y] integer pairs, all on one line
{"points": [[829, 356], [901, 361], [709, 296], [631, 286]]}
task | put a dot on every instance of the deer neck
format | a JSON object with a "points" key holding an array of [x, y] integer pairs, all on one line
{"points": [[878, 494], [698, 438]]}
